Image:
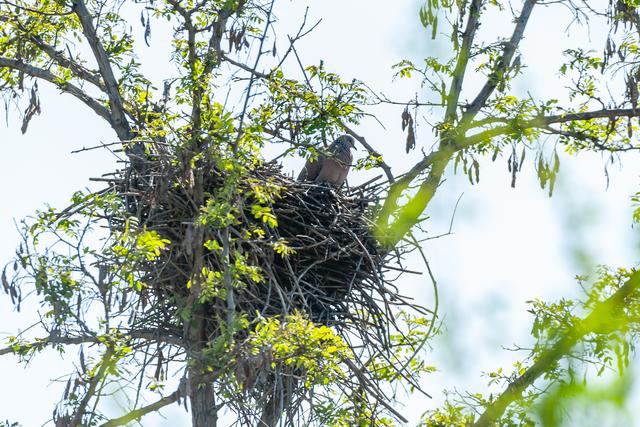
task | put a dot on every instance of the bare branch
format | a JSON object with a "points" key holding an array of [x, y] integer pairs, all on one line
{"points": [[192, 59], [385, 167], [245, 67], [118, 120], [268, 22], [366, 384]]}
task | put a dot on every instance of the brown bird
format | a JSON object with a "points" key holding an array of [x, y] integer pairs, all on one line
{"points": [[331, 166]]}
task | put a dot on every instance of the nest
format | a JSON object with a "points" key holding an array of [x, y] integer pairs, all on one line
{"points": [[319, 256]]}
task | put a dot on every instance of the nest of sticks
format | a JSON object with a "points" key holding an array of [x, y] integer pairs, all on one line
{"points": [[334, 270]]}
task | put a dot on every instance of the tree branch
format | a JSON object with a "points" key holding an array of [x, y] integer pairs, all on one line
{"points": [[93, 385], [544, 121], [77, 69], [148, 335], [192, 60], [385, 167], [41, 343], [365, 383], [140, 412], [408, 215], [463, 59], [67, 87], [57, 56], [268, 23], [118, 120], [390, 234], [600, 319], [436, 162], [245, 67], [505, 61]]}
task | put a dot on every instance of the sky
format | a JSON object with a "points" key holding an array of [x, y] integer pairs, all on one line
{"points": [[507, 245]]}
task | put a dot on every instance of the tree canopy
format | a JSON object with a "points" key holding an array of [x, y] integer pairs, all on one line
{"points": [[161, 278]]}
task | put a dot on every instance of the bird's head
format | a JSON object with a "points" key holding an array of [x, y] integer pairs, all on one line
{"points": [[346, 141]]}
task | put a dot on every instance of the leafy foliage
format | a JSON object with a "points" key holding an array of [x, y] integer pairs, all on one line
{"points": [[94, 265]]}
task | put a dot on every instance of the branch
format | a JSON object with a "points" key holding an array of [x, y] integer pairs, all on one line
{"points": [[148, 335], [409, 214], [391, 234], [118, 117], [366, 384], [385, 167], [245, 67], [435, 162], [505, 61], [252, 78], [41, 343], [93, 385], [153, 407], [463, 59], [77, 69], [70, 88], [214, 52], [589, 115], [542, 122], [192, 59], [600, 319]]}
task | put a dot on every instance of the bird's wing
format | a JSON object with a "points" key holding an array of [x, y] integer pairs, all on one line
{"points": [[311, 169], [335, 166], [346, 160], [330, 171]]}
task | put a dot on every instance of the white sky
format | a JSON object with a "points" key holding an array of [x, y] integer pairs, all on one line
{"points": [[509, 245]]}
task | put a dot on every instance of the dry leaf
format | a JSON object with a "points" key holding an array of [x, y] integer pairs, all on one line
{"points": [[32, 109], [407, 122], [411, 139], [406, 118]]}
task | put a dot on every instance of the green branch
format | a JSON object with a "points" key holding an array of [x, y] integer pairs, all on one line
{"points": [[93, 385], [435, 163], [463, 59], [513, 126], [140, 412], [39, 344], [601, 318], [503, 65]]}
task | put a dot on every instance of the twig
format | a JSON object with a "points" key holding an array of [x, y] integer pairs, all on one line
{"points": [[372, 152]]}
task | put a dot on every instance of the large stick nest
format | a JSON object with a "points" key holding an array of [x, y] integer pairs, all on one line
{"points": [[335, 271]]}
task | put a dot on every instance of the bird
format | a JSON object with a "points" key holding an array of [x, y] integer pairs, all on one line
{"points": [[331, 166]]}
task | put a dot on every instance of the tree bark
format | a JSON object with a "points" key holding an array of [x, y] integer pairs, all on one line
{"points": [[202, 398]]}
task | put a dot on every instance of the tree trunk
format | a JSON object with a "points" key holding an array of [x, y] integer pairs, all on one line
{"points": [[280, 403], [203, 403], [272, 411]]}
